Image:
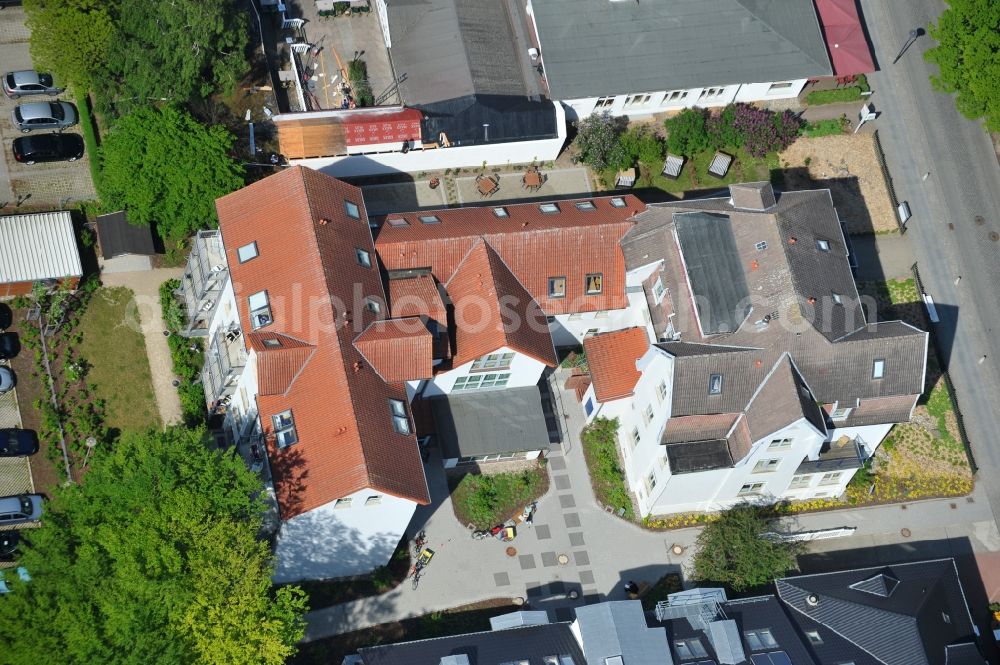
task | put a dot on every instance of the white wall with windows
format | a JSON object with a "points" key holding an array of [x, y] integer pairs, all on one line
{"points": [[570, 329], [647, 103], [348, 536], [503, 368]]}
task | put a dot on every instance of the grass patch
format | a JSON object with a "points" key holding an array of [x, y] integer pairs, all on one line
{"points": [[89, 130], [606, 475], [695, 174], [939, 405], [666, 585], [113, 346], [835, 96], [485, 501], [325, 593], [456, 621], [828, 127]]}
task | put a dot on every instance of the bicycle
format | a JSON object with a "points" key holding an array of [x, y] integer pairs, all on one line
{"points": [[416, 577], [419, 541], [480, 534]]}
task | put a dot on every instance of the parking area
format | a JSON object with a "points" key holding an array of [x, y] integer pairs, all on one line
{"points": [[15, 472], [39, 186]]}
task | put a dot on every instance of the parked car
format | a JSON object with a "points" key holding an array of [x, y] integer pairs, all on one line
{"points": [[7, 379], [43, 115], [9, 542], [18, 442], [22, 572], [10, 345], [28, 82], [20, 508], [48, 148], [6, 316]]}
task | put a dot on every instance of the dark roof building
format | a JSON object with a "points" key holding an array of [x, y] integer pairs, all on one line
{"points": [[510, 421], [117, 237]]}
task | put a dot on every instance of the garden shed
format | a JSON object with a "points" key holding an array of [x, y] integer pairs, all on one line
{"points": [[124, 247]]}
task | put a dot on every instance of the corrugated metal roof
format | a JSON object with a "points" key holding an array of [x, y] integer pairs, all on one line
{"points": [[38, 246]]}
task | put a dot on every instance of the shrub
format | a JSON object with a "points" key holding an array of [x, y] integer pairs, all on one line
{"points": [[173, 313], [764, 131], [722, 131], [361, 90], [597, 138], [606, 475], [836, 96], [687, 133], [486, 501]]}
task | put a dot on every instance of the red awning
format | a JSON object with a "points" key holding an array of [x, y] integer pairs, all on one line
{"points": [[378, 126], [845, 38]]}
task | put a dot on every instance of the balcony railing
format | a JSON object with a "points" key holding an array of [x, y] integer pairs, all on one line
{"points": [[225, 359], [203, 281]]}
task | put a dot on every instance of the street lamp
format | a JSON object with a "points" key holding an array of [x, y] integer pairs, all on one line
{"points": [[916, 32], [90, 443]]}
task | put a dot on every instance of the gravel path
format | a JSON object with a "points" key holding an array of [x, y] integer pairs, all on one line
{"points": [[146, 287]]}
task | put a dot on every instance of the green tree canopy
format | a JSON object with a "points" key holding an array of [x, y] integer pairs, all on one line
{"points": [[154, 558], [732, 551], [968, 58], [179, 51], [163, 167], [71, 38], [597, 139]]}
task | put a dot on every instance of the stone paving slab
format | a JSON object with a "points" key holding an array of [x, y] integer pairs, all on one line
{"points": [[402, 197], [561, 482], [560, 183]]}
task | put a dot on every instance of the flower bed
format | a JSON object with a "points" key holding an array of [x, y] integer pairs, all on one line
{"points": [[485, 501], [600, 448]]}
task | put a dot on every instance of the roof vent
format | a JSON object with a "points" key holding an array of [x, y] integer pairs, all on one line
{"points": [[323, 221], [792, 240], [754, 264], [811, 301], [757, 363], [812, 600]]}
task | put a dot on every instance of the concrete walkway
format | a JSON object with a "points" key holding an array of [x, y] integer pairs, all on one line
{"points": [[882, 257], [602, 551], [146, 287]]}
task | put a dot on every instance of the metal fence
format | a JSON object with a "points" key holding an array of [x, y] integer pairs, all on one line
{"points": [[952, 395], [880, 154]]}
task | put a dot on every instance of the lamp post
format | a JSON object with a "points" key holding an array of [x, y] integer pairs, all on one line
{"points": [[90, 443], [916, 32]]}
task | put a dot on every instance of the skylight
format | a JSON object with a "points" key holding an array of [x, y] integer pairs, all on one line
{"points": [[500, 212], [430, 219], [822, 245], [398, 221], [617, 202], [715, 384], [585, 205], [549, 208]]}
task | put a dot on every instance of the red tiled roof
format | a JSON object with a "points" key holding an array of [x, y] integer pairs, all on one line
{"points": [[845, 37], [493, 310], [277, 369], [534, 245], [413, 296], [306, 262], [611, 357], [398, 349]]}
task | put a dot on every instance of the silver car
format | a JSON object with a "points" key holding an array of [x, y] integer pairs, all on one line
{"points": [[20, 508], [44, 115], [28, 82], [7, 379]]}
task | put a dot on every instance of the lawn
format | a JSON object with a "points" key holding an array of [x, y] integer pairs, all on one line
{"points": [[695, 174], [113, 346], [485, 501], [456, 621], [835, 96], [600, 448]]}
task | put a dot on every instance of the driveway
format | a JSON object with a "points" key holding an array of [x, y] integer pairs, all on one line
{"points": [[955, 229], [40, 186]]}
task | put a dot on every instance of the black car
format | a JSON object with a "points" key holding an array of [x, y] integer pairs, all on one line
{"points": [[9, 540], [6, 316], [48, 148], [10, 346], [18, 442]]}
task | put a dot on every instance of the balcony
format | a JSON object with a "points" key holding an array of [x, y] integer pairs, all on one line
{"points": [[203, 281], [844, 454], [225, 359]]}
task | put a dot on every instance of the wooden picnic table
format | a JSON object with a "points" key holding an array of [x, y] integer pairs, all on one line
{"points": [[487, 185], [532, 179]]}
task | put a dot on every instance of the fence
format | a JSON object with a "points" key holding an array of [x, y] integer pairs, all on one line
{"points": [[880, 154], [952, 395]]}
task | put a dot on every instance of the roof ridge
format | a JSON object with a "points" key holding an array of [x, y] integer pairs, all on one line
{"points": [[767, 377]]}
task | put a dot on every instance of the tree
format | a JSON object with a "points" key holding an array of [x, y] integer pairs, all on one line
{"points": [[731, 550], [154, 558], [686, 132], [597, 138], [71, 38], [180, 51], [966, 55], [165, 168]]}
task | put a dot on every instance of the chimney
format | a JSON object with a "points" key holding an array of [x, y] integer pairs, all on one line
{"points": [[811, 301], [323, 221], [754, 265], [792, 240], [757, 363]]}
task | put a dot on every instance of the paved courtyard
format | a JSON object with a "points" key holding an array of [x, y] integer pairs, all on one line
{"points": [[603, 552]]}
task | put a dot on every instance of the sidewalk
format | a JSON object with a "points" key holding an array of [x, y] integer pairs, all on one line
{"points": [[146, 287], [603, 551]]}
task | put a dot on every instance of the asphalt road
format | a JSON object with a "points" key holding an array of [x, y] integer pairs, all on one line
{"points": [[946, 168]]}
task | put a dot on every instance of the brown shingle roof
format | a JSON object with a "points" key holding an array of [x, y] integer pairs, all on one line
{"points": [[611, 357], [398, 349], [306, 264], [534, 245], [698, 428], [493, 310]]}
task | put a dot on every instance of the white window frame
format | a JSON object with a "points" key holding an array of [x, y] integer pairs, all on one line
{"points": [[800, 481], [604, 102], [373, 500], [650, 481], [283, 425], [750, 489], [341, 504], [878, 368], [780, 444], [831, 478], [840, 414], [822, 244], [661, 391], [769, 465], [780, 86], [814, 637], [482, 381], [635, 437], [492, 361], [259, 305], [247, 252], [647, 414]]}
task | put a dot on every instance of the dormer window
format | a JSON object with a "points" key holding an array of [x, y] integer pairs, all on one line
{"points": [[272, 343], [247, 252], [364, 258], [352, 210], [400, 421], [284, 429], [260, 310], [822, 245], [594, 283], [715, 384]]}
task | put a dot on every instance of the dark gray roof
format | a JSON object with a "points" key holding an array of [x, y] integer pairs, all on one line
{"points": [[699, 456], [752, 195], [618, 628], [839, 455], [118, 237], [781, 400], [453, 48], [509, 119], [713, 268], [593, 48], [692, 373], [531, 643], [912, 625], [489, 422]]}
